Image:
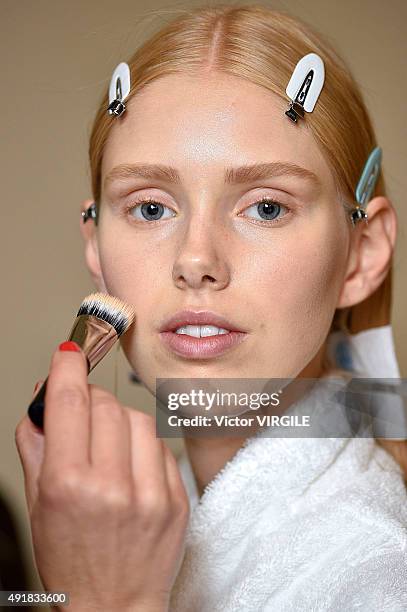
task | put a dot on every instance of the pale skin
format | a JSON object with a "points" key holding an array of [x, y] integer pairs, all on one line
{"points": [[279, 281]]}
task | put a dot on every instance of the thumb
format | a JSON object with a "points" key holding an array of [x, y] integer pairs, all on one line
{"points": [[30, 446]]}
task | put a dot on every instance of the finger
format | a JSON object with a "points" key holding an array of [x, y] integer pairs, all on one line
{"points": [[110, 434], [178, 492], [67, 410], [174, 478], [147, 453], [30, 446]]}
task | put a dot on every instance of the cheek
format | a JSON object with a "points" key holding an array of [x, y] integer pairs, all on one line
{"points": [[127, 268], [300, 282]]}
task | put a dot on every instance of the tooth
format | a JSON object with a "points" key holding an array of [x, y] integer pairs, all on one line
{"points": [[193, 330], [201, 331], [208, 330]]}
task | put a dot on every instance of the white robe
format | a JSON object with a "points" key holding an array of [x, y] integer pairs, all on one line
{"points": [[297, 525]]}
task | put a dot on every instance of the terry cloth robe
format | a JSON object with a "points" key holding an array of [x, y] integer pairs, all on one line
{"points": [[290, 524]]}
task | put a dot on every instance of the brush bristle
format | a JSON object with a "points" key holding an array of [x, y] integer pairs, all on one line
{"points": [[110, 309]]}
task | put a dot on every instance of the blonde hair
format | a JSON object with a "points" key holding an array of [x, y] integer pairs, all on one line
{"points": [[263, 46]]}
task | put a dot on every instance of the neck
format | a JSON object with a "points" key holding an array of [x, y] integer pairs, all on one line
{"points": [[208, 456]]}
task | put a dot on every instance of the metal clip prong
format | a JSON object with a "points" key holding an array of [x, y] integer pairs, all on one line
{"points": [[89, 213]]}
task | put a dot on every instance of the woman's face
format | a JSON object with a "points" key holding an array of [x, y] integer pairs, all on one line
{"points": [[274, 269]]}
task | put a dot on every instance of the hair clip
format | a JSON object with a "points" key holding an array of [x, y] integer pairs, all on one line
{"points": [[305, 86], [89, 213], [357, 214], [119, 89], [366, 185]]}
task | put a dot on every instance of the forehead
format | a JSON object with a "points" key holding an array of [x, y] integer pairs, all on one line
{"points": [[207, 123]]}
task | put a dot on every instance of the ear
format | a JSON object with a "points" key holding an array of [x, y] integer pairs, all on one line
{"points": [[372, 247], [89, 234]]}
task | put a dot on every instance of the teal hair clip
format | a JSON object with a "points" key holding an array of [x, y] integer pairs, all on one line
{"points": [[366, 185]]}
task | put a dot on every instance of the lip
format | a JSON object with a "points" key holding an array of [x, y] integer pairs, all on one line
{"points": [[200, 348], [203, 317]]}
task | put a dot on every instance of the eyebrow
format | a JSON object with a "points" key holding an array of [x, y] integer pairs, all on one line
{"points": [[233, 176]]}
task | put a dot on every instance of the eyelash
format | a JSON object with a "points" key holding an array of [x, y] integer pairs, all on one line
{"points": [[263, 200]]}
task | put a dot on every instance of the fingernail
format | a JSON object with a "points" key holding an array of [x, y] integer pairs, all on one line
{"points": [[69, 346], [37, 384]]}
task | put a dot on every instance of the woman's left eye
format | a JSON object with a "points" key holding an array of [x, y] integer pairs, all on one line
{"points": [[150, 210], [266, 209]]}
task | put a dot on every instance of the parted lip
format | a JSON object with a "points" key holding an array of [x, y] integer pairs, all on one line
{"points": [[203, 317]]}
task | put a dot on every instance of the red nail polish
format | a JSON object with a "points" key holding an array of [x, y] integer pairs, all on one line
{"points": [[69, 346]]}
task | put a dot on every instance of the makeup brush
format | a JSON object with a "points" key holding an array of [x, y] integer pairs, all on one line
{"points": [[100, 322]]}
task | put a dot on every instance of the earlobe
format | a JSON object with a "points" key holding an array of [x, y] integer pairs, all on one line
{"points": [[371, 253], [89, 234]]}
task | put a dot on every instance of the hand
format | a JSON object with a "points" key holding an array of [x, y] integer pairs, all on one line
{"points": [[106, 502]]}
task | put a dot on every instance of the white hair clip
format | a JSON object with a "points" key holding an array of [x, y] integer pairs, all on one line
{"points": [[119, 89], [366, 185], [305, 86]]}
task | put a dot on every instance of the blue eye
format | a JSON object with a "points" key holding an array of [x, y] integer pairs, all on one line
{"points": [[267, 209], [150, 210]]}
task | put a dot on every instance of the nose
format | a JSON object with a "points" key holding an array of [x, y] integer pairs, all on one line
{"points": [[200, 261]]}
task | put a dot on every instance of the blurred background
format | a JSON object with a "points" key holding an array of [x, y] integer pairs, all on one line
{"points": [[56, 60]]}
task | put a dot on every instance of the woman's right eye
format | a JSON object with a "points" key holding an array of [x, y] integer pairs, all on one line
{"points": [[150, 210]]}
